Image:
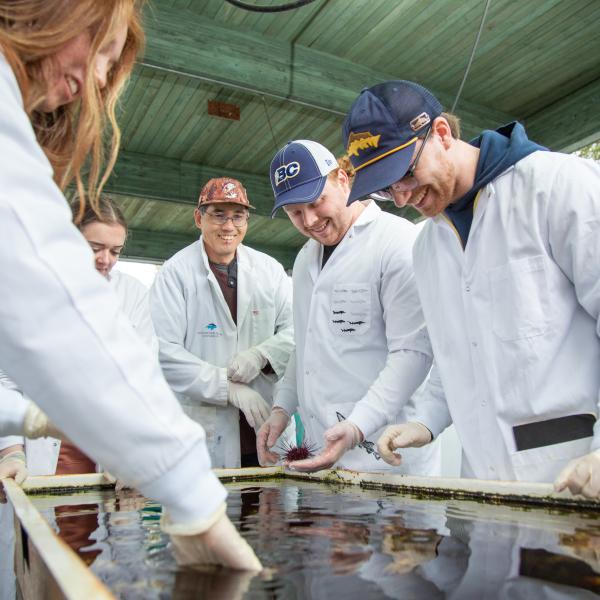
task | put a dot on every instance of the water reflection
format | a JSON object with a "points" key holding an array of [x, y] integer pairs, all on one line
{"points": [[329, 542]]}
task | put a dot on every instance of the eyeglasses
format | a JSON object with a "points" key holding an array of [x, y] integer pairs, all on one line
{"points": [[238, 220], [407, 183]]}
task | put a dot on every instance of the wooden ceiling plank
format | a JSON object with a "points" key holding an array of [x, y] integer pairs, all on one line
{"points": [[533, 32], [209, 50], [569, 123]]}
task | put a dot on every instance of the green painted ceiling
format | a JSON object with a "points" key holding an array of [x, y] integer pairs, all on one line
{"points": [[294, 75]]}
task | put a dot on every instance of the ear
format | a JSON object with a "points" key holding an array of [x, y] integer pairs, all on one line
{"points": [[441, 128], [198, 218], [343, 177]]}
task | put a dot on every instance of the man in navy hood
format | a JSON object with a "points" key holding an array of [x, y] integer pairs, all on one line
{"points": [[507, 269]]}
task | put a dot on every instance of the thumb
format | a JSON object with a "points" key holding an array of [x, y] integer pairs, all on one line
{"points": [[273, 435], [560, 483], [334, 433]]}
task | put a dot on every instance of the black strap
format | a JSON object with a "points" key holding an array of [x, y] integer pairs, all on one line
{"points": [[554, 431]]}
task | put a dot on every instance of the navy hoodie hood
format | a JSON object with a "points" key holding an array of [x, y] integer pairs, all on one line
{"points": [[498, 150]]}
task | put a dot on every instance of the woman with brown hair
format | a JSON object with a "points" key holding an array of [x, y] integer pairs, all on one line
{"points": [[63, 64]]}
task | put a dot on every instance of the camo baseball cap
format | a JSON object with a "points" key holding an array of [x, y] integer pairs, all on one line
{"points": [[381, 130], [224, 190]]}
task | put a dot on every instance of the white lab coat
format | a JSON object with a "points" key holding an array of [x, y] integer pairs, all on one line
{"points": [[198, 338], [514, 318], [42, 453], [66, 344], [361, 344], [133, 301]]}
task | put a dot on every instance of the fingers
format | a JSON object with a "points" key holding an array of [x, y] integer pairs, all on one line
{"points": [[309, 465], [263, 412], [263, 443], [580, 476], [386, 447], [325, 460], [249, 414]]}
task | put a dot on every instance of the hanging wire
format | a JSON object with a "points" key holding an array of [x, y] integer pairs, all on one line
{"points": [[269, 9], [462, 83], [275, 145]]}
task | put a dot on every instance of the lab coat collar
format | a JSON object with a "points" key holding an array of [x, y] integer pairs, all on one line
{"points": [[315, 250], [244, 282]]}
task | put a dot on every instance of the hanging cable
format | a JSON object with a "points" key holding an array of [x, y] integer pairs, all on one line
{"points": [[269, 9], [270, 126], [462, 83]]}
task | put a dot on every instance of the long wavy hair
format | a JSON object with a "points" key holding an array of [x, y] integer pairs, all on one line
{"points": [[80, 139]]}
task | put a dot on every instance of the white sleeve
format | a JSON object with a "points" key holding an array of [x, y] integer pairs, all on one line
{"points": [[12, 412], [186, 373], [133, 296], [574, 235], [431, 406], [66, 344], [277, 348], [409, 351], [287, 393]]}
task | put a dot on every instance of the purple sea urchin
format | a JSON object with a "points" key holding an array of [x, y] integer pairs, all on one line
{"points": [[292, 453]]}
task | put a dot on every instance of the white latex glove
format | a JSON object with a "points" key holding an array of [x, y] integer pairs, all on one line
{"points": [[246, 366], [405, 435], [213, 541], [268, 435], [581, 476], [36, 424], [14, 465], [338, 439], [250, 402]]}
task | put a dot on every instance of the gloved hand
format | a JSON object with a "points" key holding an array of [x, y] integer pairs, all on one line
{"points": [[36, 424], [119, 485], [338, 439], [405, 435], [14, 465], [246, 366], [251, 403], [581, 476], [268, 435], [214, 541]]}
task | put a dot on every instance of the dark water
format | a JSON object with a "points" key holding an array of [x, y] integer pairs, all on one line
{"points": [[322, 541]]}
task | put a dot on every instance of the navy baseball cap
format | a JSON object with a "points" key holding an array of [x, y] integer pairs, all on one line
{"points": [[299, 172], [381, 130]]}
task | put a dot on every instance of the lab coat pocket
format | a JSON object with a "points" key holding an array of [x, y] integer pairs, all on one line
{"points": [[350, 309], [520, 307], [544, 464]]}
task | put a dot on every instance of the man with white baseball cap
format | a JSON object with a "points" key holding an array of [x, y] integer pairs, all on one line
{"points": [[361, 346]]}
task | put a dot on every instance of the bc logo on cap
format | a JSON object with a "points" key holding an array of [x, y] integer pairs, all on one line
{"points": [[287, 172]]}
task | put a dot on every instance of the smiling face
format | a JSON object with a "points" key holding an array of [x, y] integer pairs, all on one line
{"points": [[327, 219], [106, 241], [222, 239], [66, 71], [445, 171], [436, 176]]}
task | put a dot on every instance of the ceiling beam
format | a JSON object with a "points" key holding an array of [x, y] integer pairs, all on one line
{"points": [[157, 246], [172, 180], [183, 42], [570, 123]]}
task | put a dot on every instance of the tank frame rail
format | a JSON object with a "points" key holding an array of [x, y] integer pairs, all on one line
{"points": [[47, 568]]}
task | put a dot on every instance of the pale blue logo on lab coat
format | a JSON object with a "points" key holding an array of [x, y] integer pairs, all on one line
{"points": [[210, 331]]}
